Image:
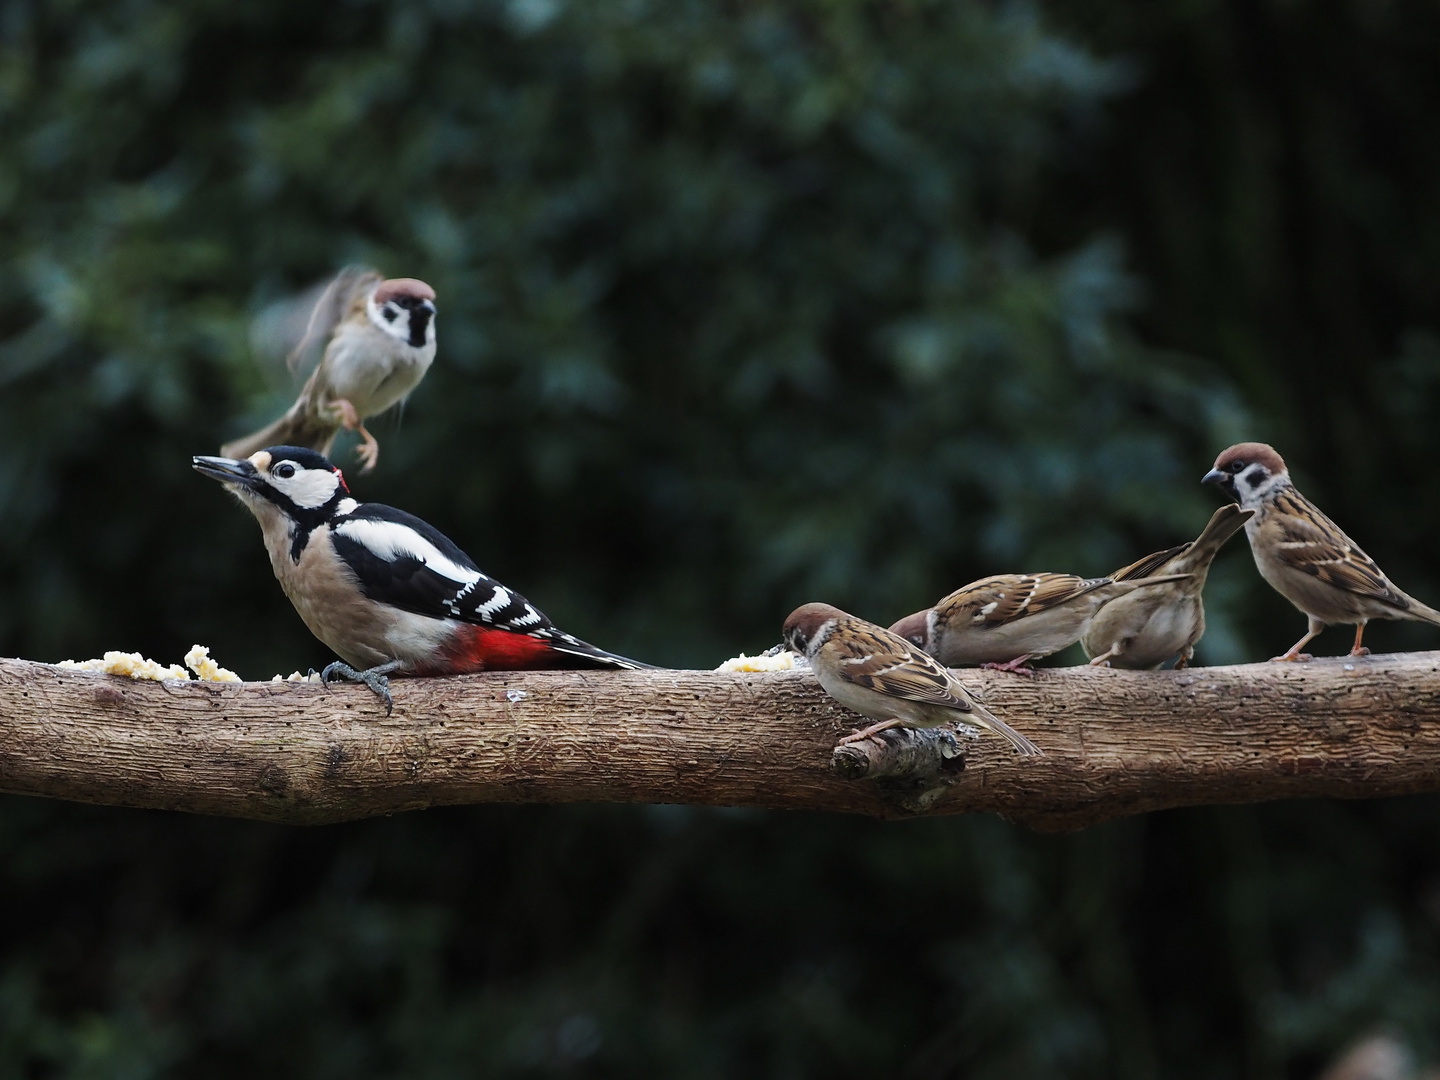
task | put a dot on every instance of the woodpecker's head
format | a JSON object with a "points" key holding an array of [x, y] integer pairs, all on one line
{"points": [[404, 309], [809, 626], [1248, 472], [299, 484]]}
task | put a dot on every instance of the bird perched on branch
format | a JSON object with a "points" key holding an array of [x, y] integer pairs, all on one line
{"points": [[387, 592], [381, 341], [1304, 555], [1003, 621], [1144, 629], [881, 675]]}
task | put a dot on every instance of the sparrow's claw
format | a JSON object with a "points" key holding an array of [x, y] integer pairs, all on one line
{"points": [[347, 414], [1018, 666], [1361, 651], [374, 678], [368, 451], [874, 729], [1292, 658]]}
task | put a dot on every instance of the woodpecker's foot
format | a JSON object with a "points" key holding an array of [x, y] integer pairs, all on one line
{"points": [[373, 677], [1018, 666], [368, 451]]}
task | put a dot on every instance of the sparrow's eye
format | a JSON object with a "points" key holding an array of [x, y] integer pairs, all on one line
{"points": [[285, 471], [1237, 467]]}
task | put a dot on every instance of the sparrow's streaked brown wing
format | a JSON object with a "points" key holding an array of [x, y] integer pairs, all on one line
{"points": [[1007, 597], [1311, 542], [913, 675]]}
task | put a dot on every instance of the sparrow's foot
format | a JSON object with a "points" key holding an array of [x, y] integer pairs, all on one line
{"points": [[1103, 660], [1361, 651], [368, 451], [346, 412], [373, 677], [873, 729], [1292, 658], [1018, 666], [1184, 661]]}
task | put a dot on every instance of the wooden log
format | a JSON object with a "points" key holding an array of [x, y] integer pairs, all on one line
{"points": [[1115, 742]]}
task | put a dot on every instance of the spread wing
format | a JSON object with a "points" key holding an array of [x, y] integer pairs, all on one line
{"points": [[1004, 598], [1312, 543]]}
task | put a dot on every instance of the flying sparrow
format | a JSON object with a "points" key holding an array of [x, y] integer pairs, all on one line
{"points": [[1001, 622], [381, 342], [884, 677], [1304, 555], [1144, 629]]}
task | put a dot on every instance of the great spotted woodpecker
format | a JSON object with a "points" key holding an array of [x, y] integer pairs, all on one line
{"points": [[381, 343], [384, 590]]}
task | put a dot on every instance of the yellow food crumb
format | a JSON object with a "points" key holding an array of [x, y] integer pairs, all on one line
{"points": [[198, 660], [782, 661], [132, 665]]}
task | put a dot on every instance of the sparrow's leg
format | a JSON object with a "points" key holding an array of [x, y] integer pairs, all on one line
{"points": [[1017, 666], [1103, 660], [873, 729], [373, 677], [1185, 656], [1359, 650], [368, 451], [1295, 654]]}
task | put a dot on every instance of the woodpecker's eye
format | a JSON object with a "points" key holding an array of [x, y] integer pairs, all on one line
{"points": [[1237, 467], [285, 471]]}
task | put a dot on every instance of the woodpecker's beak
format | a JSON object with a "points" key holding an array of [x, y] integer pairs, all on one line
{"points": [[242, 474], [1215, 476]]}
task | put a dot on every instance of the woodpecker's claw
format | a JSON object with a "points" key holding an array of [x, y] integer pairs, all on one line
{"points": [[373, 677]]}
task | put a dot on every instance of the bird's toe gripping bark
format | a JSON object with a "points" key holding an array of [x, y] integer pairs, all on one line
{"points": [[374, 678]]}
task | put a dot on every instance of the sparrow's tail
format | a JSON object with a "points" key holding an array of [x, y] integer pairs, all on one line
{"points": [[298, 427], [1224, 523], [984, 718], [1420, 612]]}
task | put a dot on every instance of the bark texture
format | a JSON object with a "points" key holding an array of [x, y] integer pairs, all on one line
{"points": [[1115, 742]]}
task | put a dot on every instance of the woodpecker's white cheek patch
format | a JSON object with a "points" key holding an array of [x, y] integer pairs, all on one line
{"points": [[308, 488], [389, 541]]}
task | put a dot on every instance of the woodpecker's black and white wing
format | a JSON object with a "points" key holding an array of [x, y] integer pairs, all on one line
{"points": [[407, 563]]}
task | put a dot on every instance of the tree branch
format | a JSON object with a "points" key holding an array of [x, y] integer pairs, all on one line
{"points": [[1115, 742]]}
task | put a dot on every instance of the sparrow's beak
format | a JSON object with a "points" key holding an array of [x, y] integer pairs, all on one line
{"points": [[228, 471], [1214, 476]]}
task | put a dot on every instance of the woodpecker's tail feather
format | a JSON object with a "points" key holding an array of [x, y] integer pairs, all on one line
{"points": [[298, 427], [586, 655]]}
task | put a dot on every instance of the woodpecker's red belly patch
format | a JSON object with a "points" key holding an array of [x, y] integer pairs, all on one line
{"points": [[486, 649]]}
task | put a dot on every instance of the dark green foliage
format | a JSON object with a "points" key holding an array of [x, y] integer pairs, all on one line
{"points": [[740, 306]]}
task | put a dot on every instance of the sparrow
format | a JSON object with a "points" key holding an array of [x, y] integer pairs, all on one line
{"points": [[882, 676], [381, 343], [1144, 629], [1003, 621], [1304, 555], [386, 591]]}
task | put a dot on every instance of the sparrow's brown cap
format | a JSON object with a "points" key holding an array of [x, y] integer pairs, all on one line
{"points": [[410, 287], [1250, 453]]}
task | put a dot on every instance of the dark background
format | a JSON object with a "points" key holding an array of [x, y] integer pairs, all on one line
{"points": [[741, 305]]}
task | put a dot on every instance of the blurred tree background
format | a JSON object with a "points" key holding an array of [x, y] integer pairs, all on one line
{"points": [[741, 305]]}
